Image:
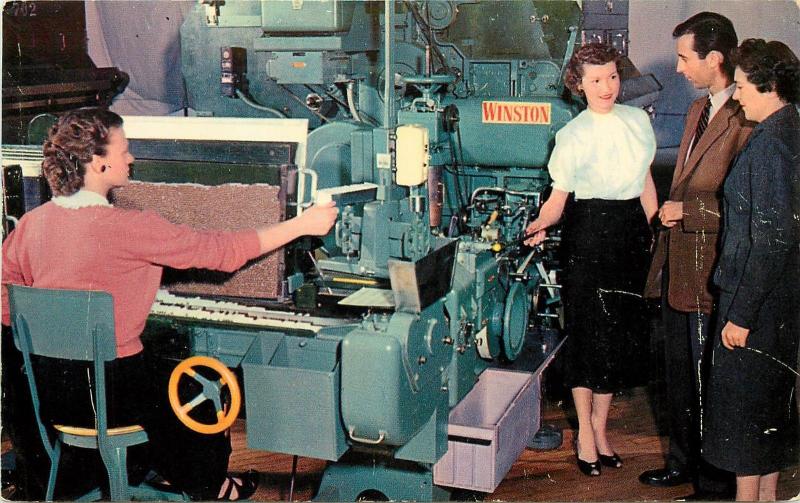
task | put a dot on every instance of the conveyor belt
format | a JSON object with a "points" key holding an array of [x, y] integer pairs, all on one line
{"points": [[197, 308]]}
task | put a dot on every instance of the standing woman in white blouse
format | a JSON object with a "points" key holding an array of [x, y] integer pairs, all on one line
{"points": [[603, 157]]}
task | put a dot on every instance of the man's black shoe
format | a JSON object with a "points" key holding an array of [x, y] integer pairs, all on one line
{"points": [[664, 477]]}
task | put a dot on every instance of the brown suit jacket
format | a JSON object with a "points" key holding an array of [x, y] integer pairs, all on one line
{"points": [[691, 246]]}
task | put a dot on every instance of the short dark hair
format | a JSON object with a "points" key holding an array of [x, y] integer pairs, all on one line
{"points": [[595, 53], [70, 144], [770, 66], [712, 32]]}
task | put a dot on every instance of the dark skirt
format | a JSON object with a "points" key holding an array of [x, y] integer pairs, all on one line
{"points": [[136, 390], [606, 255], [751, 425]]}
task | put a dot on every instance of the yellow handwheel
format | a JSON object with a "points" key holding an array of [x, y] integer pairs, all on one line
{"points": [[212, 390]]}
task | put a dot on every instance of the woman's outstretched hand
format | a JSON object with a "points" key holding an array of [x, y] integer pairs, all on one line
{"points": [[318, 219]]}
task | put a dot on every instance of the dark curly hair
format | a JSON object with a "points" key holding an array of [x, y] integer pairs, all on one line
{"points": [[70, 144], [712, 32], [595, 53], [770, 66]]}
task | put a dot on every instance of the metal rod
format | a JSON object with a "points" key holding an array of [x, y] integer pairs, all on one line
{"points": [[291, 481], [319, 270], [428, 60], [388, 65]]}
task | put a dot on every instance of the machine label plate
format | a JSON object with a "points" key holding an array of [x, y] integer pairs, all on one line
{"points": [[515, 112], [383, 161]]}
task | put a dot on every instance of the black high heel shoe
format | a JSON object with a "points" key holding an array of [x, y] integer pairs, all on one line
{"points": [[590, 469], [246, 487], [587, 468], [613, 461]]}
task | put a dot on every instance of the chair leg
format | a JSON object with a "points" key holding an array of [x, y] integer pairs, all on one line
{"points": [[115, 460], [55, 459], [145, 492], [94, 495]]}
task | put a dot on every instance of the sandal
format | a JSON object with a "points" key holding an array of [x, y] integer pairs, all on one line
{"points": [[244, 489]]}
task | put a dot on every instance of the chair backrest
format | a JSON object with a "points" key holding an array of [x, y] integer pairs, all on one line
{"points": [[66, 324]]}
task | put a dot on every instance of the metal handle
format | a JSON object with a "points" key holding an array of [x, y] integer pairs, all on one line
{"points": [[381, 436], [301, 188]]}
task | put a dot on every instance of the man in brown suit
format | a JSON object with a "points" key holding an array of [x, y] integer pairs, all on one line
{"points": [[686, 249]]}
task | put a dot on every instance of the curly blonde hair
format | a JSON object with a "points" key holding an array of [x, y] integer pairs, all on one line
{"points": [[70, 144], [595, 53]]}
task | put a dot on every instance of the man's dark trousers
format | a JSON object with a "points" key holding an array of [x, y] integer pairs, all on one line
{"points": [[686, 336]]}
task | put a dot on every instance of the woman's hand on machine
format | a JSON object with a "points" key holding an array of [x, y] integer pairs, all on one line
{"points": [[536, 231], [318, 219]]}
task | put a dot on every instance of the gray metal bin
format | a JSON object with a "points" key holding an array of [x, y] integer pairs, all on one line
{"points": [[292, 391]]}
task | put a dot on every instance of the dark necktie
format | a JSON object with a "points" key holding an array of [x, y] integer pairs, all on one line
{"points": [[702, 124]]}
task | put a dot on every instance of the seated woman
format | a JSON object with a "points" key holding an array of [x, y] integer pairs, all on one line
{"points": [[80, 241], [751, 424]]}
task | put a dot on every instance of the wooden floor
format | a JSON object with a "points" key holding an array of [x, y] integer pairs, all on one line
{"points": [[537, 475]]}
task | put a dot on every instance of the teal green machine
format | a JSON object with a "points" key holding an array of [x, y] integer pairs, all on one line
{"points": [[430, 123]]}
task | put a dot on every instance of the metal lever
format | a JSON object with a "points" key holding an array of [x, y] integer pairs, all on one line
{"points": [[551, 289], [319, 270]]}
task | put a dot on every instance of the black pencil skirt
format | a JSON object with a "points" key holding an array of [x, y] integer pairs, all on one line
{"points": [[605, 256]]}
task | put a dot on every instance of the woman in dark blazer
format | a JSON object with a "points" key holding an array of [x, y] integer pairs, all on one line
{"points": [[751, 425]]}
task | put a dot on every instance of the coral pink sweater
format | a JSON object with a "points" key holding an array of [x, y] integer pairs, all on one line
{"points": [[118, 251]]}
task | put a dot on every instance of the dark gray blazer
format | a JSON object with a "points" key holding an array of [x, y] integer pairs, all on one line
{"points": [[749, 424], [760, 256]]}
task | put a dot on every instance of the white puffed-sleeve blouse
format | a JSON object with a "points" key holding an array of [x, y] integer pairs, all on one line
{"points": [[604, 156]]}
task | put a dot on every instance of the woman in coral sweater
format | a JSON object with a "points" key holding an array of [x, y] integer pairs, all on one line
{"points": [[79, 240]]}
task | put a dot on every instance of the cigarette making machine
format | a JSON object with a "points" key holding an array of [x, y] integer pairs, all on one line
{"points": [[382, 329], [437, 165]]}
